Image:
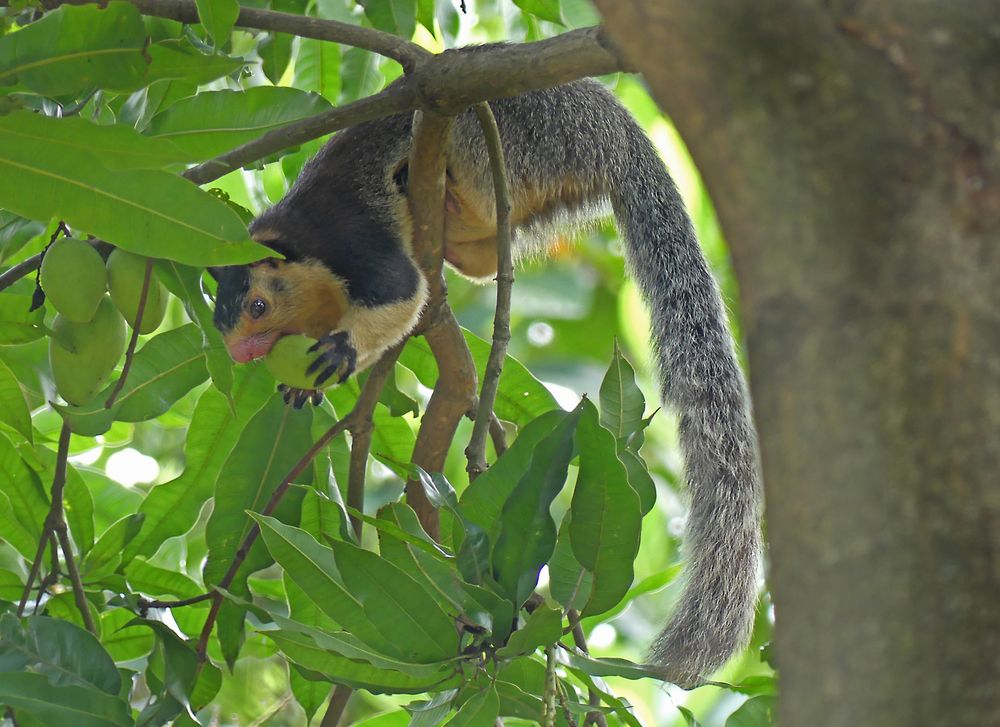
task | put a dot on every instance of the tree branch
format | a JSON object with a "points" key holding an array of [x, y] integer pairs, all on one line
{"points": [[339, 698], [334, 31], [476, 451]]}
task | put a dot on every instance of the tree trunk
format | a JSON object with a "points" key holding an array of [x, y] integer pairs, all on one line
{"points": [[852, 152]]}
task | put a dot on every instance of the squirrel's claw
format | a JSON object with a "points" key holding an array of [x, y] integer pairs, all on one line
{"points": [[337, 355], [298, 397]]}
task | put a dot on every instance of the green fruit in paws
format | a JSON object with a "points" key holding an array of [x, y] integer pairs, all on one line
{"points": [[83, 355], [288, 360], [73, 278], [125, 275]]}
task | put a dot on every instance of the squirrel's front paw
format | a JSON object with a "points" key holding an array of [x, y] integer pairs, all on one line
{"points": [[298, 397], [336, 355]]}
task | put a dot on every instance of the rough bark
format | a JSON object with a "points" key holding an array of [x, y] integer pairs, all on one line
{"points": [[852, 152]]}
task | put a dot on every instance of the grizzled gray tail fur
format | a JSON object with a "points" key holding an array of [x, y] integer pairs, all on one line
{"points": [[702, 382]]}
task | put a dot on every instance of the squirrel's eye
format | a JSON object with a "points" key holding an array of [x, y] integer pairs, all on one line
{"points": [[257, 308]]}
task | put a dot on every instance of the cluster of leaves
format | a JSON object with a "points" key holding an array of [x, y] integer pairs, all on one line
{"points": [[101, 110]]}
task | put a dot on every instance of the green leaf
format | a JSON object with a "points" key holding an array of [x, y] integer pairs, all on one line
{"points": [[147, 212], [13, 406], [543, 628], [397, 605], [178, 59], [152, 580], [688, 715], [639, 478], [303, 651], [65, 705], [527, 533], [606, 511], [213, 122], [275, 52], [11, 585], [172, 508], [72, 49], [480, 711], [542, 9], [569, 582], [107, 552], [313, 568], [119, 147], [15, 233], [310, 695], [21, 486], [622, 402], [611, 667], [317, 68], [359, 74], [392, 16], [185, 282], [218, 17], [63, 652], [163, 370], [520, 396], [18, 324], [123, 639], [755, 712], [425, 14]]}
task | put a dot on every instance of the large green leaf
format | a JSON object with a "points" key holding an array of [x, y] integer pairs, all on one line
{"points": [[607, 518], [480, 711], [62, 705], [313, 568], [172, 508], [569, 582], [63, 652], [756, 712], [123, 640], [106, 555], [317, 68], [398, 605], [19, 324], [543, 628], [152, 580], [73, 49], [148, 212], [166, 368], [275, 53], [13, 407], [216, 121], [622, 402], [30, 502], [174, 59], [334, 667], [119, 147], [543, 9], [398, 17], [526, 531], [218, 17]]}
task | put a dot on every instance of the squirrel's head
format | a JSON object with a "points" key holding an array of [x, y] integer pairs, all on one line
{"points": [[257, 304]]}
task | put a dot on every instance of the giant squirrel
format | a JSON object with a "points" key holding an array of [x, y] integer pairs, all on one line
{"points": [[349, 279]]}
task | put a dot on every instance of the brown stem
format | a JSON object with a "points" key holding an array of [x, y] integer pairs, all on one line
{"points": [[130, 351], [594, 699], [369, 394], [62, 532], [338, 705], [36, 565], [476, 451], [497, 434]]}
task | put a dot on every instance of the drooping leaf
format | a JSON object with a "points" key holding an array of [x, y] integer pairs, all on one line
{"points": [[72, 49], [393, 16], [63, 705], [608, 667], [23, 489], [15, 233], [607, 518], [124, 640], [119, 147], [622, 402], [152, 580], [148, 212], [178, 59], [106, 554], [166, 368], [317, 68], [218, 17], [275, 52], [542, 9], [216, 121], [526, 531], [172, 508], [569, 582], [63, 652]]}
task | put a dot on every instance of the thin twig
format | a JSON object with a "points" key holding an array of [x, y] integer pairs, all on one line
{"points": [[370, 391], [79, 596], [339, 698], [497, 434], [476, 451], [594, 699], [137, 324], [36, 565], [549, 695]]}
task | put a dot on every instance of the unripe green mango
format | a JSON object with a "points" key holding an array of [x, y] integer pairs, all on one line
{"points": [[73, 278], [288, 360], [83, 355], [125, 275]]}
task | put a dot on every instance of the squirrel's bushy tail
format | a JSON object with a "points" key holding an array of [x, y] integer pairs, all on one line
{"points": [[701, 380]]}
